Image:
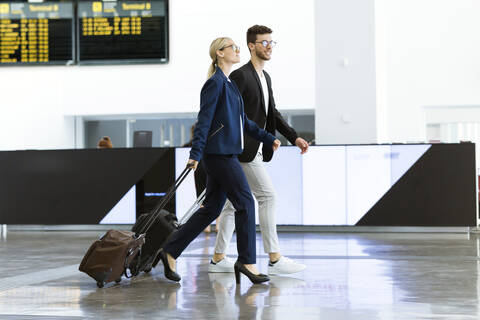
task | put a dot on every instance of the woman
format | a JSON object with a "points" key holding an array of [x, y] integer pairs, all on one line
{"points": [[218, 140]]}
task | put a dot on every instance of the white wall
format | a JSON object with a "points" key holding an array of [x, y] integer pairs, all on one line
{"points": [[424, 54], [345, 72], [432, 59], [34, 100], [175, 87], [31, 113], [380, 71]]}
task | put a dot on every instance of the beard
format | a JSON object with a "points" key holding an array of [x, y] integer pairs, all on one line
{"points": [[262, 55]]}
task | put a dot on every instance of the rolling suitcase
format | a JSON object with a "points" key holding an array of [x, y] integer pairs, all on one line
{"points": [[162, 227], [115, 253], [108, 258]]}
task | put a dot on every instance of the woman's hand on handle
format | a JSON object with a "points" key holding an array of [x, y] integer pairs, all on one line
{"points": [[276, 144], [192, 164]]}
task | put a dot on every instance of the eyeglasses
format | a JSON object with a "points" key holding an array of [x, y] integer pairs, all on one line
{"points": [[265, 43], [234, 47]]}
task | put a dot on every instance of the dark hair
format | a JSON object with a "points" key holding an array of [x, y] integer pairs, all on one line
{"points": [[254, 30]]}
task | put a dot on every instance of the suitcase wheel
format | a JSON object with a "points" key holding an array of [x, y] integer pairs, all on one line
{"points": [[100, 284], [134, 273], [118, 280]]}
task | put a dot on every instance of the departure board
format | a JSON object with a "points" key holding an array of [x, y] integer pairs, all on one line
{"points": [[36, 33], [122, 31]]}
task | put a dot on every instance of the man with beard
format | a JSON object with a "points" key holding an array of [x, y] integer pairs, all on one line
{"points": [[255, 86]]}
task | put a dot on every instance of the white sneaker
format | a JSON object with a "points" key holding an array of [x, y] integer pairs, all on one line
{"points": [[285, 265], [224, 265]]}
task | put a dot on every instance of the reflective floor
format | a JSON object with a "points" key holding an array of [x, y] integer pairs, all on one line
{"points": [[348, 276]]}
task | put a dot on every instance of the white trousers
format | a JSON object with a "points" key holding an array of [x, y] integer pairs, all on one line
{"points": [[262, 189]]}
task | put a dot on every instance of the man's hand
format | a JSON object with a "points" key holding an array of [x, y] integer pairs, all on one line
{"points": [[302, 144], [276, 144], [192, 164]]}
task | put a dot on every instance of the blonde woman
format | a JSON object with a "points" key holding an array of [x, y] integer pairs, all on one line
{"points": [[218, 140]]}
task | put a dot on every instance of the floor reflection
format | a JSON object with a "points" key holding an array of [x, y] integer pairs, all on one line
{"points": [[374, 276]]}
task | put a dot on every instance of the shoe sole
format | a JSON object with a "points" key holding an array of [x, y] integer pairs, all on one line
{"points": [[220, 271]]}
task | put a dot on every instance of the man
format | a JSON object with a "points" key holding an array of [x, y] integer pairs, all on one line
{"points": [[255, 86]]}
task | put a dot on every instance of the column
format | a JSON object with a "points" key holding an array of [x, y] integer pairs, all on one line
{"points": [[345, 95]]}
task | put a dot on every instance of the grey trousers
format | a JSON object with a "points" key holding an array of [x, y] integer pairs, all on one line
{"points": [[263, 190]]}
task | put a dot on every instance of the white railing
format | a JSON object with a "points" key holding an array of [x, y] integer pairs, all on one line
{"points": [[453, 124]]}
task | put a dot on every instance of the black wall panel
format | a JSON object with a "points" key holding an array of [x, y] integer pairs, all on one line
{"points": [[74, 186], [438, 190]]}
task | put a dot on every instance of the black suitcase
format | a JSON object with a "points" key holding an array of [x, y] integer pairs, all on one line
{"points": [[158, 226], [162, 227]]}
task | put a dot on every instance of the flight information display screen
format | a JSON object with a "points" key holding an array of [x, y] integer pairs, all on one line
{"points": [[36, 33], [122, 31]]}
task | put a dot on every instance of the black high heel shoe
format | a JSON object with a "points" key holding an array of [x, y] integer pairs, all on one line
{"points": [[169, 273], [255, 278]]}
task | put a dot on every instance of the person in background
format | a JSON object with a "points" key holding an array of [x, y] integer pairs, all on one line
{"points": [[218, 140], [255, 86], [105, 143]]}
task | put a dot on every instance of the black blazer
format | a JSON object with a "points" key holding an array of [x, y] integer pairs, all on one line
{"points": [[248, 82]]}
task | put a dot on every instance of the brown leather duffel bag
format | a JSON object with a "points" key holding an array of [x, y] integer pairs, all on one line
{"points": [[108, 259]]}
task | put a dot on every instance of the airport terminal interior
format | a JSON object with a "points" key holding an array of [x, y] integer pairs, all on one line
{"points": [[368, 171]]}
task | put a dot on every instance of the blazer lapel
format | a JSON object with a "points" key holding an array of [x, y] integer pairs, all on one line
{"points": [[259, 84]]}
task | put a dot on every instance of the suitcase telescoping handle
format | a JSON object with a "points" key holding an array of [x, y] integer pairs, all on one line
{"points": [[196, 205], [165, 200]]}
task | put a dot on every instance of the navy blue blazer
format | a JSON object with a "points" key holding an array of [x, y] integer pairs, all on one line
{"points": [[222, 120]]}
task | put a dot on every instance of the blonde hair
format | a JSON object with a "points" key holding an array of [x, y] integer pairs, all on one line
{"points": [[217, 44]]}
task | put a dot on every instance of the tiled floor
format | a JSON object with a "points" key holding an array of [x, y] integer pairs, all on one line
{"points": [[349, 276]]}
